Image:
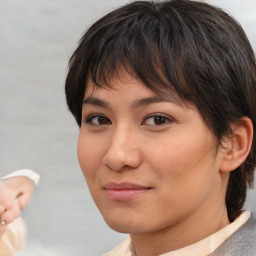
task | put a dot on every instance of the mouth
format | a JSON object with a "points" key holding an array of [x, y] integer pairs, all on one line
{"points": [[124, 191]]}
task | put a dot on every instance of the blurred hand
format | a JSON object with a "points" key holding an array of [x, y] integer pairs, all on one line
{"points": [[15, 194]]}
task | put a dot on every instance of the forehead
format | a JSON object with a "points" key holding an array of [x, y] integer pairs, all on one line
{"points": [[125, 84]]}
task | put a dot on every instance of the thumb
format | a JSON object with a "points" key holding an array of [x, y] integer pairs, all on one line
{"points": [[2, 227], [11, 213]]}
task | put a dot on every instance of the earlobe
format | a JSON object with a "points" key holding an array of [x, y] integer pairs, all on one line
{"points": [[238, 145]]}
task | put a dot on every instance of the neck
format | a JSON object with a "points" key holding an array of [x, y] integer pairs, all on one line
{"points": [[181, 234]]}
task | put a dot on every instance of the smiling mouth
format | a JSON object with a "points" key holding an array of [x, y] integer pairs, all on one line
{"points": [[124, 191]]}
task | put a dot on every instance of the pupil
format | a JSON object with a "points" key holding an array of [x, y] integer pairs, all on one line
{"points": [[159, 120], [102, 120]]}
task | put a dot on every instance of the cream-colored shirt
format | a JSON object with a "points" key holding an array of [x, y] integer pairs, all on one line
{"points": [[14, 237], [201, 248]]}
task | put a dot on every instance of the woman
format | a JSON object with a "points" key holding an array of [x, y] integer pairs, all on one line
{"points": [[164, 94]]}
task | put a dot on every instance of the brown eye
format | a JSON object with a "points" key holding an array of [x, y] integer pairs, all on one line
{"points": [[103, 120], [157, 119], [98, 120]]}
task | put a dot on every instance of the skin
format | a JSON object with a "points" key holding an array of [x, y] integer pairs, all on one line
{"points": [[15, 194], [164, 147]]}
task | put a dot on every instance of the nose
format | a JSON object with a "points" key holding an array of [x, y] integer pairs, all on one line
{"points": [[123, 151]]}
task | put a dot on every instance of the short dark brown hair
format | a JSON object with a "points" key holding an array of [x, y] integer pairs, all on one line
{"points": [[191, 48]]}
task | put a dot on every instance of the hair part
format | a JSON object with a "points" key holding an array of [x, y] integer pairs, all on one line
{"points": [[190, 48]]}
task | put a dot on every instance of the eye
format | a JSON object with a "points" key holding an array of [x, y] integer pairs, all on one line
{"points": [[97, 120], [157, 119]]}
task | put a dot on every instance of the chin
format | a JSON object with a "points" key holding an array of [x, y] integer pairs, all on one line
{"points": [[120, 228], [126, 225]]}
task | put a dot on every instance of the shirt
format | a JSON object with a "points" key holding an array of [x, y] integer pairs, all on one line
{"points": [[202, 248]]}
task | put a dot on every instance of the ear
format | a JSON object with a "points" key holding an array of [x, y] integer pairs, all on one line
{"points": [[238, 145]]}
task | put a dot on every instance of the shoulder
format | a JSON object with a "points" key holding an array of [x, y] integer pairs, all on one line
{"points": [[242, 242], [122, 249]]}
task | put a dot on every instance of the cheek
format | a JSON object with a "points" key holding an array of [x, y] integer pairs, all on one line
{"points": [[186, 177], [186, 163], [88, 153], [175, 154]]}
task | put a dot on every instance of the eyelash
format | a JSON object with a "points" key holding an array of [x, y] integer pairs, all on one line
{"points": [[89, 119], [157, 115], [164, 118]]}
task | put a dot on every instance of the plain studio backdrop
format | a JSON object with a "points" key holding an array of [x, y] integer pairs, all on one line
{"points": [[36, 130]]}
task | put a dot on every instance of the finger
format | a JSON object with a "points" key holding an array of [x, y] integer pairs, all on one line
{"points": [[2, 209], [7, 197], [3, 222], [23, 199], [11, 213]]}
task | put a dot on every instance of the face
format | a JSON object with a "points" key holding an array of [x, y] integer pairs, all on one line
{"points": [[149, 162]]}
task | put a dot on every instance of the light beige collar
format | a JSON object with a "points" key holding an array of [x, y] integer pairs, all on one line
{"points": [[201, 248]]}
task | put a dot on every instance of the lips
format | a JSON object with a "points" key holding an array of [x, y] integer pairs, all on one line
{"points": [[124, 191]]}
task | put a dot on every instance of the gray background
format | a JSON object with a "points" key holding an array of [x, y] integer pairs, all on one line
{"points": [[36, 130]]}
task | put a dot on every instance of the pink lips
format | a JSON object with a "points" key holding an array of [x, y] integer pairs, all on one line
{"points": [[124, 191]]}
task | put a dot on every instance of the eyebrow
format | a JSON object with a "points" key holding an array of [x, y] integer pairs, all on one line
{"points": [[136, 104], [154, 99], [95, 101]]}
